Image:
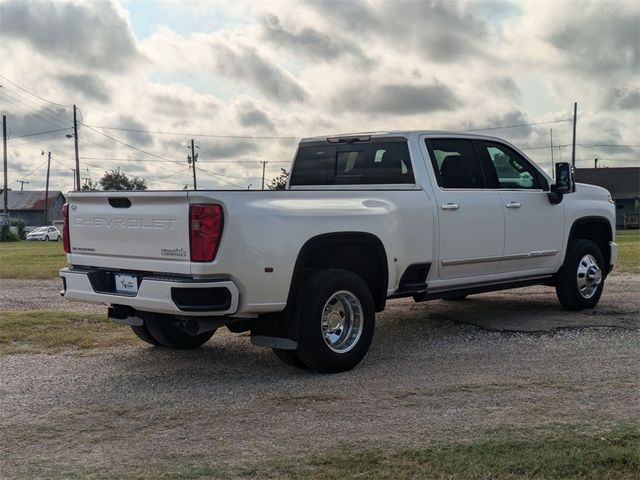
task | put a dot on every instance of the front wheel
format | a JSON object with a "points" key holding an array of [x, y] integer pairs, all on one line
{"points": [[166, 331], [46, 239], [580, 281], [337, 319]]}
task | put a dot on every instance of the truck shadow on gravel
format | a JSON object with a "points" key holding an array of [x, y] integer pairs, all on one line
{"points": [[405, 326]]}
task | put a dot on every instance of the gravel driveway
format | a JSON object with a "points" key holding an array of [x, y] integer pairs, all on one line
{"points": [[436, 371]]}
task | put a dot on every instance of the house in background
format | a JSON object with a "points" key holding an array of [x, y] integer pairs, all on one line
{"points": [[624, 185], [28, 206]]}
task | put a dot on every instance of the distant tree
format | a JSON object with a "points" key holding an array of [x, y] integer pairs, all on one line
{"points": [[116, 180], [89, 186], [280, 182]]}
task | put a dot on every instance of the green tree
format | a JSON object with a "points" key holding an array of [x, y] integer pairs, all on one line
{"points": [[280, 182], [116, 180], [89, 186]]}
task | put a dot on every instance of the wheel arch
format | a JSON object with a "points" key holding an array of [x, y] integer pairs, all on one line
{"points": [[595, 228], [351, 251]]}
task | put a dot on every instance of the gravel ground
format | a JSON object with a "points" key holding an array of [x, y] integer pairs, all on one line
{"points": [[436, 371]]}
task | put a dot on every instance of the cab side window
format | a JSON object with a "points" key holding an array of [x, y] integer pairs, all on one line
{"points": [[456, 163], [512, 170]]}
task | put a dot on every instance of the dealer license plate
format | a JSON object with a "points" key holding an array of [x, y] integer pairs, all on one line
{"points": [[126, 283]]}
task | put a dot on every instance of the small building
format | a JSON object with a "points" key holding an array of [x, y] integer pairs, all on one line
{"points": [[29, 206], [624, 185]]}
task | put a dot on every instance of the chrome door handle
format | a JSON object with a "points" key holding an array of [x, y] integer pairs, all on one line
{"points": [[513, 205], [449, 206]]}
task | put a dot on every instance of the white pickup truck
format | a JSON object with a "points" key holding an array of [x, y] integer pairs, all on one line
{"points": [[364, 218]]}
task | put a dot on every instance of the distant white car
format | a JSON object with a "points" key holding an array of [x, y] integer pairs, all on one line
{"points": [[46, 234]]}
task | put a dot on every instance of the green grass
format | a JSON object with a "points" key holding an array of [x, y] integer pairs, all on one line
{"points": [[49, 331], [628, 251], [552, 453], [29, 260]]}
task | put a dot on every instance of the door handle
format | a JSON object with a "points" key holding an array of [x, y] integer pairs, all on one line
{"points": [[449, 206], [513, 205]]}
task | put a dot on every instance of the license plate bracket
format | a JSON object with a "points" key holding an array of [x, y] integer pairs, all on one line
{"points": [[125, 283]]}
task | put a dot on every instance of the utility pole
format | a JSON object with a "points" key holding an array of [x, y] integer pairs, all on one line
{"points": [[22, 182], [573, 144], [264, 165], [192, 161], [596, 162], [551, 134], [46, 190], [4, 145], [76, 174]]}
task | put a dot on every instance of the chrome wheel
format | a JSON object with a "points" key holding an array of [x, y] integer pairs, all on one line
{"points": [[342, 321], [589, 276]]}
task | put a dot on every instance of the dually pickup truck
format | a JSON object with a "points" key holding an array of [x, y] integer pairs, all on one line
{"points": [[364, 218]]}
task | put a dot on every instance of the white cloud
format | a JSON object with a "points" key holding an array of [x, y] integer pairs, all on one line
{"points": [[307, 68]]}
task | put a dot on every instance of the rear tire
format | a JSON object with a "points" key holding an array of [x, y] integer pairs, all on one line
{"points": [[143, 334], [290, 357], [580, 281], [164, 330], [337, 320]]}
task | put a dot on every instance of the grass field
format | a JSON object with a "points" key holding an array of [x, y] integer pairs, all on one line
{"points": [[30, 260], [550, 453], [628, 251], [49, 331]]}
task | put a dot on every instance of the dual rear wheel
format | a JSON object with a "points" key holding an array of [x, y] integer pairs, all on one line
{"points": [[164, 331], [336, 315]]}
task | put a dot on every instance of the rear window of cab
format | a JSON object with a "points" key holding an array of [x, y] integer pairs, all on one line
{"points": [[366, 163]]}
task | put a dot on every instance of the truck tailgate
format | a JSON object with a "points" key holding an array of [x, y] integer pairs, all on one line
{"points": [[142, 231]]}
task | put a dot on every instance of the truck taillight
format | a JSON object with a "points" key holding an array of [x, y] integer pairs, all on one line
{"points": [[205, 231], [65, 228]]}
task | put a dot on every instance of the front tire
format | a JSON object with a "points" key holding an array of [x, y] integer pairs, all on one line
{"points": [[164, 329], [46, 239], [337, 320], [580, 281]]}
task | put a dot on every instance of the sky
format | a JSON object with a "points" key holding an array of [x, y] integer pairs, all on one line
{"points": [[247, 80]]}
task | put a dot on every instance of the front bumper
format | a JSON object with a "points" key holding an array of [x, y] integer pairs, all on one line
{"points": [[613, 255], [174, 296]]}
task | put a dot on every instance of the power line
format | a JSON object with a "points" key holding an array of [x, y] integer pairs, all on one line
{"points": [[519, 125], [253, 162], [14, 102], [40, 133], [32, 171], [130, 146], [583, 145], [33, 94], [213, 175], [23, 99], [187, 134]]}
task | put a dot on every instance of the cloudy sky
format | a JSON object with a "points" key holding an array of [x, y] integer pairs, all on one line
{"points": [[143, 72]]}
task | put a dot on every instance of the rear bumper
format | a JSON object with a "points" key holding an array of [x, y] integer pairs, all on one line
{"points": [[182, 296]]}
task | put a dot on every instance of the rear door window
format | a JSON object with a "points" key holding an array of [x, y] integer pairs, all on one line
{"points": [[456, 163], [353, 164]]}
